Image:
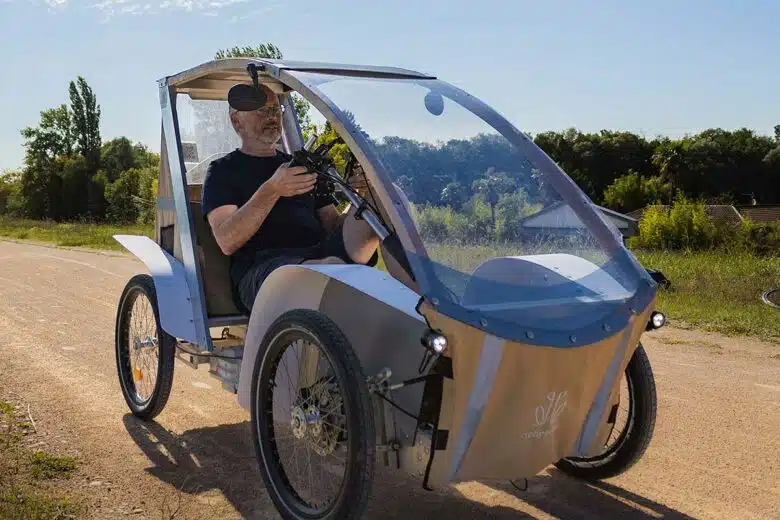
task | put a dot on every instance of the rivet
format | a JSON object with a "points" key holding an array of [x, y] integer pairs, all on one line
{"points": [[607, 327], [529, 334], [483, 322], [435, 301], [573, 338]]}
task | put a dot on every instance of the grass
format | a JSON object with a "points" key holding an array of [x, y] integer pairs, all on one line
{"points": [[710, 290], [93, 236], [718, 292], [29, 479]]}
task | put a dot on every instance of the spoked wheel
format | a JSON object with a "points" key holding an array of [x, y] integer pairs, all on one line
{"points": [[312, 421], [144, 352], [632, 430]]}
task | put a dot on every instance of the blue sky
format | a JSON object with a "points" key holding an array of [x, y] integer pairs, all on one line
{"points": [[662, 67]]}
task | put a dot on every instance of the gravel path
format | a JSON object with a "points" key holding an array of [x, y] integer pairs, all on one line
{"points": [[715, 454]]}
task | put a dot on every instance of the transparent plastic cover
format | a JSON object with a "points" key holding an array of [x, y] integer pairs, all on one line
{"points": [[502, 243]]}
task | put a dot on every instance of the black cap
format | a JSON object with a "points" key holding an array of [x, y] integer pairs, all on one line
{"points": [[246, 98]]}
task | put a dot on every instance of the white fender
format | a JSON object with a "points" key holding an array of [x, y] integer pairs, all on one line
{"points": [[302, 287], [170, 282]]}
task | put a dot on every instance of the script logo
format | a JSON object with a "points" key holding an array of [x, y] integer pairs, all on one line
{"points": [[546, 415]]}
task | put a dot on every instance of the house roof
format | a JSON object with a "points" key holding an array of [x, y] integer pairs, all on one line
{"points": [[627, 224], [764, 213]]}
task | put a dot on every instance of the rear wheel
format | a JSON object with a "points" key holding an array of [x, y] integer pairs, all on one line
{"points": [[145, 353], [325, 416], [624, 447]]}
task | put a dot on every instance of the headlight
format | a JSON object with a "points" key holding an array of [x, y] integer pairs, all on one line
{"points": [[657, 320], [435, 342]]}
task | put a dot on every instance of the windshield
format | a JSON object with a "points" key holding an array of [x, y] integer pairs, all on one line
{"points": [[504, 242]]}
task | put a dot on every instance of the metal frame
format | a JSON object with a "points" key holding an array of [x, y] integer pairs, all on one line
{"points": [[184, 224]]}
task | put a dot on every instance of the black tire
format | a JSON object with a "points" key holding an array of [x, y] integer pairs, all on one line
{"points": [[633, 441], [142, 285], [353, 493], [772, 297]]}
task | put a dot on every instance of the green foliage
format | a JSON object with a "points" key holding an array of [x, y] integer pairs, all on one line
{"points": [[120, 195], [86, 120], [75, 234], [631, 192], [687, 226], [718, 290], [53, 137], [477, 221], [116, 156]]}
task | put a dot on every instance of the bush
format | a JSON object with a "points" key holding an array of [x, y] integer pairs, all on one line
{"points": [[762, 239], [687, 226]]}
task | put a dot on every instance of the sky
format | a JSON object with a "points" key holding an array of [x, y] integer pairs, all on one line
{"points": [[664, 67]]}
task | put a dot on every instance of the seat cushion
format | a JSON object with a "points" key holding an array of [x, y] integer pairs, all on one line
{"points": [[214, 268]]}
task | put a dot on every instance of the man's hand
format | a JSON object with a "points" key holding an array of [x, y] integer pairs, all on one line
{"points": [[289, 182]]}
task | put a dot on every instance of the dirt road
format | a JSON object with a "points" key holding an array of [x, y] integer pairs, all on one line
{"points": [[715, 454]]}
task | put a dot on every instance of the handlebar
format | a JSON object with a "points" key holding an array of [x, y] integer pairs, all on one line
{"points": [[318, 162], [364, 211]]}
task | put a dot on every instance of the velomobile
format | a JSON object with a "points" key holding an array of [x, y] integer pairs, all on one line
{"points": [[494, 338]]}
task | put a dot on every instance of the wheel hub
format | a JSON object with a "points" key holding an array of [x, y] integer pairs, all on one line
{"points": [[298, 423]]}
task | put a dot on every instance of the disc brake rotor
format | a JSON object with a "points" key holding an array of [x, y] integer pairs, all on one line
{"points": [[316, 422]]}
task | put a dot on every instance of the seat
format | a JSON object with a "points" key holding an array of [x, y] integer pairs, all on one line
{"points": [[222, 306]]}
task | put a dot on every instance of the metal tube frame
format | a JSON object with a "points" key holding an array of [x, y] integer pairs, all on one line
{"points": [[184, 224]]}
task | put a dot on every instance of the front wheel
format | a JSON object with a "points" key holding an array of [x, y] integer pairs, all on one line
{"points": [[312, 427], [631, 443], [145, 353]]}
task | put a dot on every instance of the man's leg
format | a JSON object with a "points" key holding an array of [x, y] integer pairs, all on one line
{"points": [[360, 241], [249, 285]]}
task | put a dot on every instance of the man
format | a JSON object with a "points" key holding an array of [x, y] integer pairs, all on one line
{"points": [[263, 214]]}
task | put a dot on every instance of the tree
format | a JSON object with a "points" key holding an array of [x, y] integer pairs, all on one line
{"points": [[116, 156], [51, 138], [492, 185], [86, 121], [631, 192], [669, 158], [454, 194]]}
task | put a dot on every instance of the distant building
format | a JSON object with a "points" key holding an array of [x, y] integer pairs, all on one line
{"points": [[561, 217]]}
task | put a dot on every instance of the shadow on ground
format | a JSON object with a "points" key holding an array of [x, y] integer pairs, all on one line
{"points": [[221, 459]]}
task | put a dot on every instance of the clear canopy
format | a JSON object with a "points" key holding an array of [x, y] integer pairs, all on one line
{"points": [[511, 244]]}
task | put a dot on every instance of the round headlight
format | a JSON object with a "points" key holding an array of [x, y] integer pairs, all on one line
{"points": [[435, 341], [438, 343], [658, 320]]}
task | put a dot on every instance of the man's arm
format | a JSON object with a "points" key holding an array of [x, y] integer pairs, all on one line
{"points": [[233, 226]]}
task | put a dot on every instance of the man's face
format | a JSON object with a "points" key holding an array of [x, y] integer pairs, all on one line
{"points": [[262, 126]]}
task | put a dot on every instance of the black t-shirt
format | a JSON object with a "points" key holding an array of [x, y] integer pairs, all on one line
{"points": [[293, 221]]}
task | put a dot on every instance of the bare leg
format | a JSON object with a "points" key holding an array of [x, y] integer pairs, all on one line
{"points": [[359, 239]]}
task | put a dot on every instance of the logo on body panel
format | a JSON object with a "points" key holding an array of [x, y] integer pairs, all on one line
{"points": [[546, 415]]}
